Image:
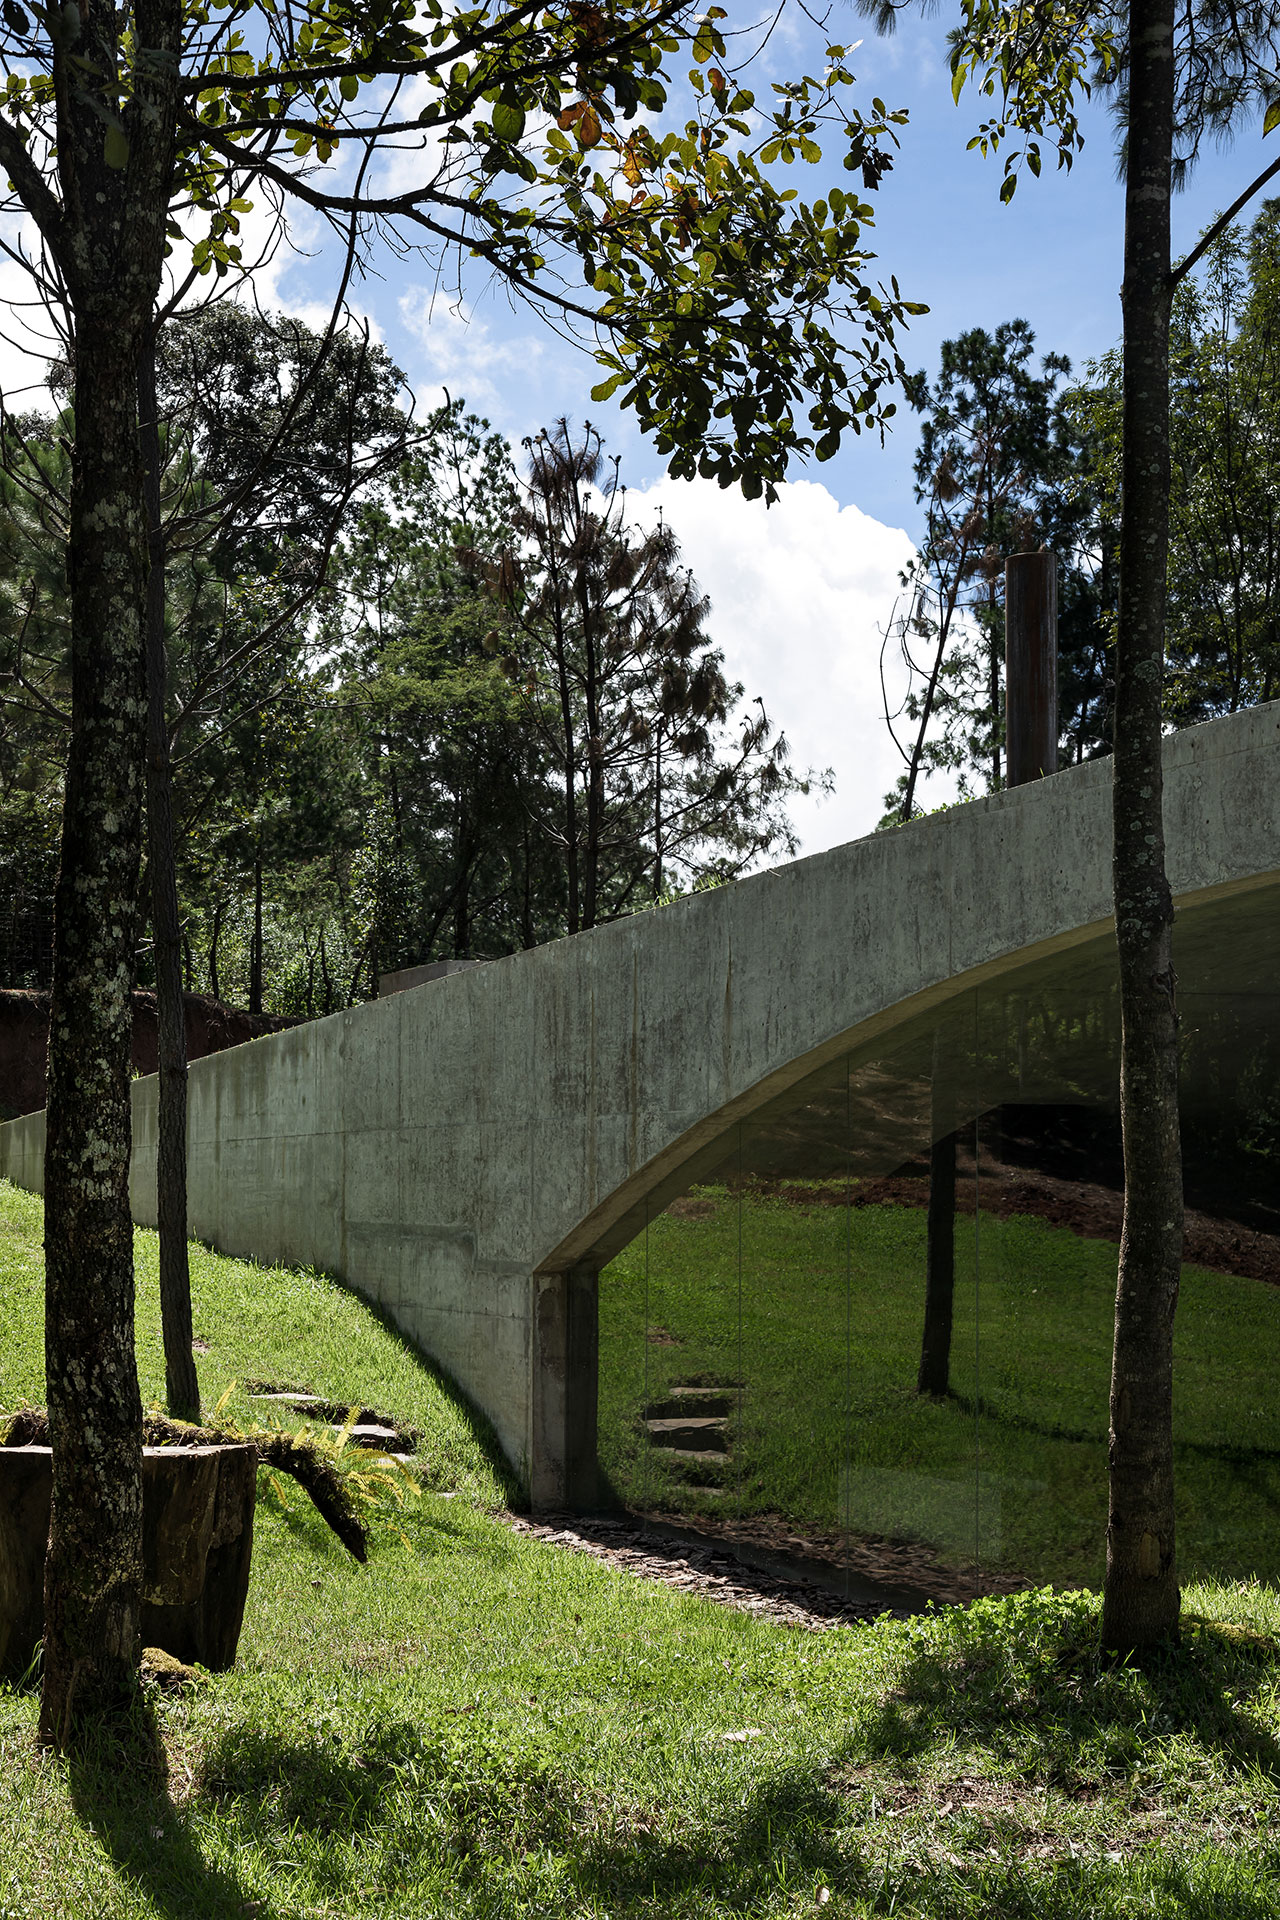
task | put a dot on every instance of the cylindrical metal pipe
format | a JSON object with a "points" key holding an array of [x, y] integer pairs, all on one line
{"points": [[1031, 666]]}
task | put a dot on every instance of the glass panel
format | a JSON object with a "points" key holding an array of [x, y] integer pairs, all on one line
{"points": [[1227, 1330], [909, 1491], [794, 1175], [1048, 1185], [692, 1355], [785, 1365], [623, 1388]]}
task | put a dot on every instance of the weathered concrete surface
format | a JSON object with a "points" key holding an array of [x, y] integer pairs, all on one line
{"points": [[469, 1153]]}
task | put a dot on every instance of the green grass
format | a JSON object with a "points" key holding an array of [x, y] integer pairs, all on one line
{"points": [[476, 1724], [271, 1326], [817, 1311]]}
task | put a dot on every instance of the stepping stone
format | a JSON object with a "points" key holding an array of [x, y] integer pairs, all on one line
{"points": [[688, 1431], [692, 1402], [369, 1430], [383, 1439]]}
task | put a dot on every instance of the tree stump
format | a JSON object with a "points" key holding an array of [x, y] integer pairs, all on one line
{"points": [[197, 1542]]}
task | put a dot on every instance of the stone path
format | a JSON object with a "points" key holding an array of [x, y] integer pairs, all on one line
{"points": [[707, 1571]]}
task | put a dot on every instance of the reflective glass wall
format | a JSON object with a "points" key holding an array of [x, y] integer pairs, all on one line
{"points": [[877, 1338]]}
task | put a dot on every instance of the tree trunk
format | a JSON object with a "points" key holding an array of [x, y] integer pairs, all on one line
{"points": [[255, 944], [215, 985], [93, 1569], [934, 1377], [595, 749], [182, 1387], [1140, 1596], [326, 982]]}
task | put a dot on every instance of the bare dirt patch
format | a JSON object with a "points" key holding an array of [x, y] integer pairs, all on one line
{"points": [[968, 1820], [690, 1208], [903, 1567], [1089, 1208]]}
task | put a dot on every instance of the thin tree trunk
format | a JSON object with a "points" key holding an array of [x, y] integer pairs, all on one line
{"points": [[595, 756], [182, 1387], [93, 1569], [926, 711], [215, 985], [526, 896], [934, 1377], [325, 980], [255, 944], [1140, 1595], [657, 811]]}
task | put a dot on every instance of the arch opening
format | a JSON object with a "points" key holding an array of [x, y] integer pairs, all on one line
{"points": [[873, 1336]]}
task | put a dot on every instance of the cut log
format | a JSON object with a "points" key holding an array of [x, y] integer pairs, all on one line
{"points": [[197, 1524]]}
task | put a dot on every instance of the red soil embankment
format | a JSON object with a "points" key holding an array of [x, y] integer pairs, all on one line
{"points": [[1087, 1207], [24, 1039]]}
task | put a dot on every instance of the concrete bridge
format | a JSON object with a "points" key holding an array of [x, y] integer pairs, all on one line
{"points": [[470, 1153]]}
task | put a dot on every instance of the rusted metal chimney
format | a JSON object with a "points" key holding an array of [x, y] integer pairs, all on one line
{"points": [[1031, 666]]}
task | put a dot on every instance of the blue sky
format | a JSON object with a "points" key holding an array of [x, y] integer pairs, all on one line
{"points": [[801, 595]]}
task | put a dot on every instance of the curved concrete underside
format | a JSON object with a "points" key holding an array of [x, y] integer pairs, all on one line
{"points": [[469, 1153]]}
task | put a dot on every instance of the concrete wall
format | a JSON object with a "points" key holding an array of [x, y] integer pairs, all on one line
{"points": [[469, 1152]]}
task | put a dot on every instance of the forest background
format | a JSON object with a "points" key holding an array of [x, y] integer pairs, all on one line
{"points": [[435, 697]]}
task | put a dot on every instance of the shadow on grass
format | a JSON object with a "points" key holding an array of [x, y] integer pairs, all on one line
{"points": [[475, 1814], [793, 1835], [1053, 1706], [120, 1793]]}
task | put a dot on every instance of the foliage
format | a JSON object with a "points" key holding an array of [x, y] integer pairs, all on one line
{"points": [[447, 863], [613, 676], [736, 321], [999, 470], [1223, 619]]}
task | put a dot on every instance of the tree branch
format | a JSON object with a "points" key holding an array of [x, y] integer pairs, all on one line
{"points": [[1221, 224]]}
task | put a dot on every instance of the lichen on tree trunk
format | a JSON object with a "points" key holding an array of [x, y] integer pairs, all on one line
{"points": [[105, 228], [93, 1568], [1140, 1599]]}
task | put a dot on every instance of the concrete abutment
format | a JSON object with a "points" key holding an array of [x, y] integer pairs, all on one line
{"points": [[469, 1154]]}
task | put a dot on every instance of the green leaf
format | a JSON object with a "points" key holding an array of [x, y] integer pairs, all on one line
{"points": [[115, 148], [1272, 119], [508, 120]]}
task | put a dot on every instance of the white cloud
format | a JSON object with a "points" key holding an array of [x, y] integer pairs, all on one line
{"points": [[459, 351], [800, 595]]}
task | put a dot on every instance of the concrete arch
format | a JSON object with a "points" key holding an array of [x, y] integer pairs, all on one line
{"points": [[470, 1152]]}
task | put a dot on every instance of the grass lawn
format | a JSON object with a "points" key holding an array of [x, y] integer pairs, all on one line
{"points": [[478, 1724], [817, 1311]]}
